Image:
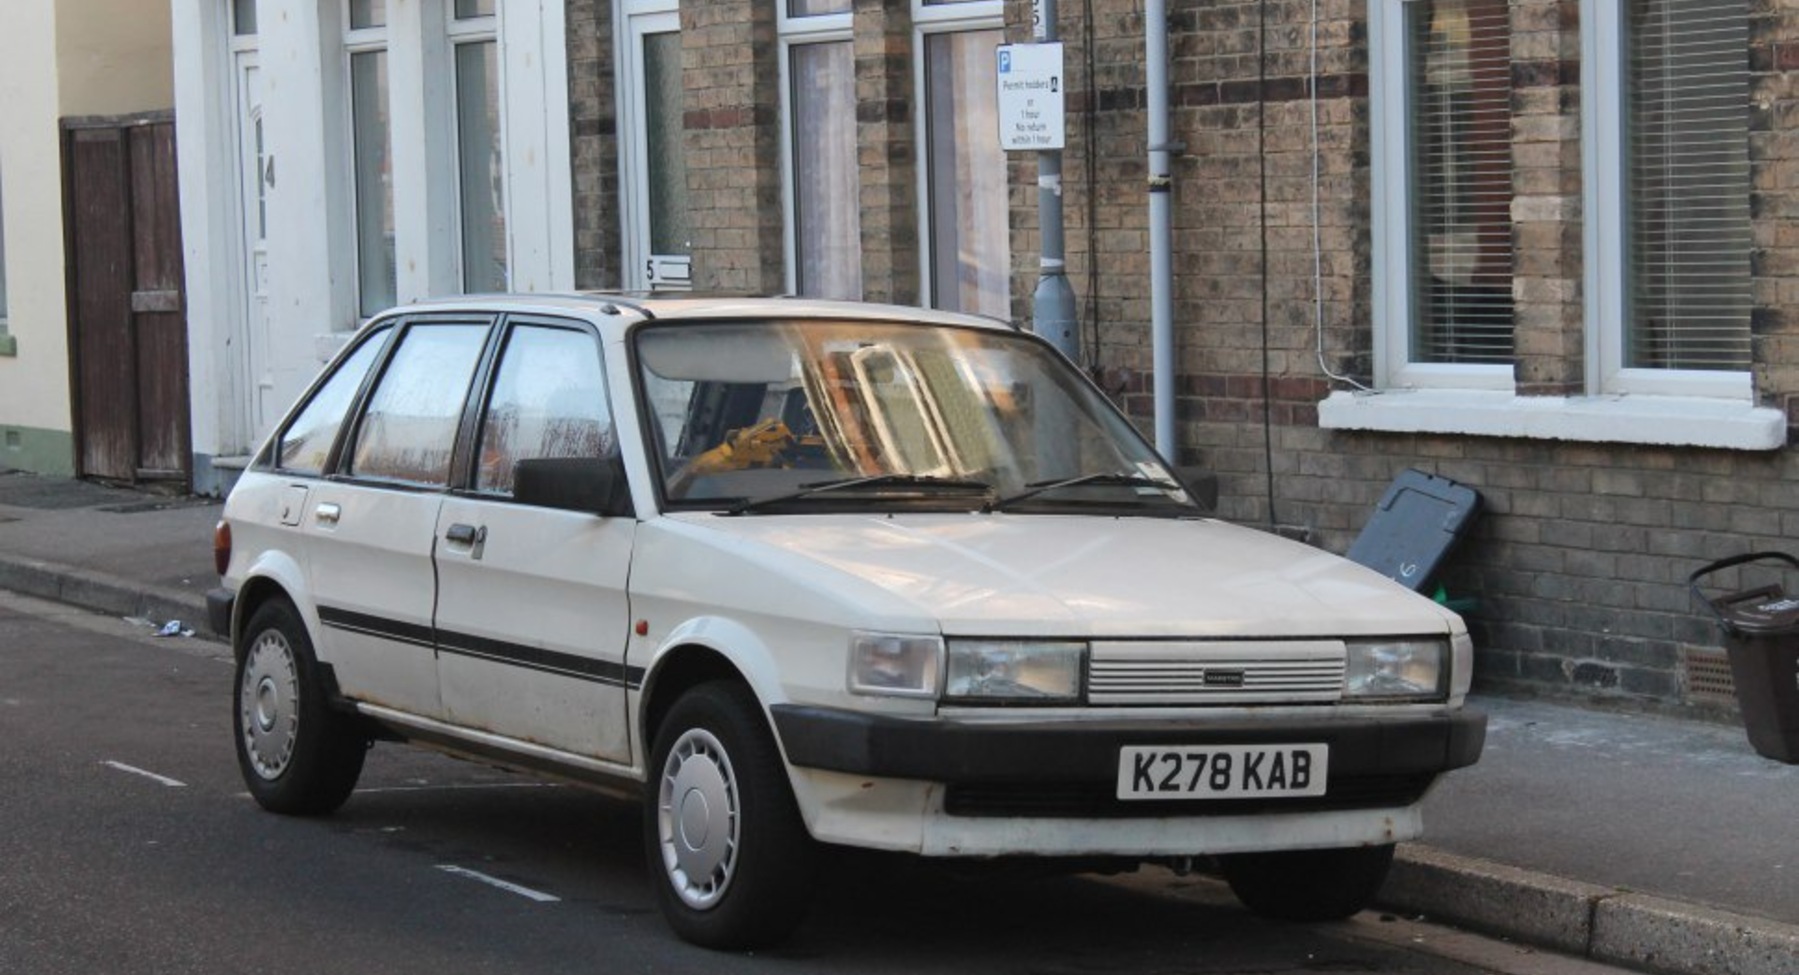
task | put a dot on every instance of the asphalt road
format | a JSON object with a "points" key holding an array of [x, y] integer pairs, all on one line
{"points": [[127, 844]]}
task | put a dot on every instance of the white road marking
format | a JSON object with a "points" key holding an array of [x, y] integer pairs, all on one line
{"points": [[447, 787], [536, 895], [134, 770], [464, 786]]}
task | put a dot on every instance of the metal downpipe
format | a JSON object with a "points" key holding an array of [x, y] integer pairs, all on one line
{"points": [[1161, 258]]}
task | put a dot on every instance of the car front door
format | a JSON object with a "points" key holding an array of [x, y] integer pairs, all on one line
{"points": [[532, 615], [369, 529]]}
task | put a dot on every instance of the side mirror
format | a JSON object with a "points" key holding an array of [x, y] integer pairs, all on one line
{"points": [[592, 484], [1201, 485]]}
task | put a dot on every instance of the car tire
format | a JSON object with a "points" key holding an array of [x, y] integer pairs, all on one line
{"points": [[728, 852], [1308, 885], [298, 754]]}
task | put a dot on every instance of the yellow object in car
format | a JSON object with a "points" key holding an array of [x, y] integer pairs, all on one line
{"points": [[757, 446]]}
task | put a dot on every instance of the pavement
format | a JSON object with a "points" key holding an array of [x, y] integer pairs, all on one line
{"points": [[1649, 842]]}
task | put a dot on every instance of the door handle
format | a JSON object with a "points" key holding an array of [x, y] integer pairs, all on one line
{"points": [[475, 538], [327, 514]]}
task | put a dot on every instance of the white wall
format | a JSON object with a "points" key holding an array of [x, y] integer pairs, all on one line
{"points": [[34, 385], [70, 58], [312, 300], [113, 56]]}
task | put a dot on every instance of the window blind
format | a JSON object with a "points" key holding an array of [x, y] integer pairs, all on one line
{"points": [[1688, 173], [1461, 148]]}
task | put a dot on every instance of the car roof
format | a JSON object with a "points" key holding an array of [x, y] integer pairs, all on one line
{"points": [[628, 308]]}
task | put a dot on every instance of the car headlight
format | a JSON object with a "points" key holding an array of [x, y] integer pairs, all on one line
{"points": [[1410, 669], [1023, 671], [895, 664]]}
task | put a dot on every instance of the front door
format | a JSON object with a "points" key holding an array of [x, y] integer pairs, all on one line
{"points": [[256, 174], [658, 224], [532, 614], [127, 323]]}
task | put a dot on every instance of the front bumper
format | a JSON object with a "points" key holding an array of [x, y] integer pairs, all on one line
{"points": [[1069, 769]]}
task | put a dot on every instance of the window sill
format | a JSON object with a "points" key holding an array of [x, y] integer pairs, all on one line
{"points": [[1671, 421]]}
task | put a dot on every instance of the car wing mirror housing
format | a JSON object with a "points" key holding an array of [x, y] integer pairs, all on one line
{"points": [[592, 484], [1201, 484]]}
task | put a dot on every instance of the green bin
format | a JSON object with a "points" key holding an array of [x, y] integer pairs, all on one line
{"points": [[1761, 636]]}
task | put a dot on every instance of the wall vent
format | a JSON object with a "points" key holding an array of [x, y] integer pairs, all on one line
{"points": [[1706, 675]]}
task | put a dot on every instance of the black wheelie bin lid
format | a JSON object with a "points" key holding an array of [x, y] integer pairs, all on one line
{"points": [[1414, 527]]}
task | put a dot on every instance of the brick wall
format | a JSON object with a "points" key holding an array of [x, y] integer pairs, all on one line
{"points": [[733, 133], [886, 149], [1576, 568], [593, 137]]}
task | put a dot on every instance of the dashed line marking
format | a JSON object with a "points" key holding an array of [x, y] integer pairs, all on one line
{"points": [[134, 770], [511, 888], [457, 787]]}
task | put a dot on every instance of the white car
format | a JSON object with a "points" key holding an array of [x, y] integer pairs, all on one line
{"points": [[808, 574]]}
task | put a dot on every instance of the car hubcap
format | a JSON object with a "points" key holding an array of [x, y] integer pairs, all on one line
{"points": [[269, 704], [698, 818]]}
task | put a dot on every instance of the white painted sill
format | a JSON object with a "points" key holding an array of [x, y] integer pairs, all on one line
{"points": [[1671, 421]]}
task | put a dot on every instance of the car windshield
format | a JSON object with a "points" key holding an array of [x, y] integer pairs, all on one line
{"points": [[809, 414]]}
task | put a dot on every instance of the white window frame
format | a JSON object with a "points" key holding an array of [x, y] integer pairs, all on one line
{"points": [[537, 192], [475, 30], [9, 346], [368, 40], [929, 19], [1634, 406], [798, 32], [1604, 157], [1389, 115]]}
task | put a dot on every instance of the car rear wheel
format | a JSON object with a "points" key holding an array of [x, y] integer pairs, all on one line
{"points": [[297, 754], [1308, 885], [730, 856]]}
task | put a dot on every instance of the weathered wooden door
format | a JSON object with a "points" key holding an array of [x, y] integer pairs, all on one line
{"points": [[127, 321]]}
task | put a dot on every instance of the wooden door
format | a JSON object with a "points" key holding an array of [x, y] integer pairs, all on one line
{"points": [[127, 321]]}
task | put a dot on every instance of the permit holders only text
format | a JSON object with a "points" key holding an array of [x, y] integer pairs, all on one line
{"points": [[1222, 771]]}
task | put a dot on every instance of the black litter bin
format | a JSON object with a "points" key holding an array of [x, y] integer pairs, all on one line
{"points": [[1761, 635]]}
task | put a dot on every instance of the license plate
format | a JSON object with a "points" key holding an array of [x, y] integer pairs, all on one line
{"points": [[1221, 771]]}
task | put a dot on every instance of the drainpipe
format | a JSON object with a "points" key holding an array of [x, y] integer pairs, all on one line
{"points": [[1161, 259], [1052, 304]]}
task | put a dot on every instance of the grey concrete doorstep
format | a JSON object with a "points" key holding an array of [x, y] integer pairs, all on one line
{"points": [[1601, 923]]}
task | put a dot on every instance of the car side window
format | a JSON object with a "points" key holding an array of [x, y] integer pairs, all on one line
{"points": [[549, 400], [306, 443], [408, 431]]}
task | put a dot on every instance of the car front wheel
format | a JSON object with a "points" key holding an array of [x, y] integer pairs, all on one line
{"points": [[297, 754], [1308, 885], [730, 856]]}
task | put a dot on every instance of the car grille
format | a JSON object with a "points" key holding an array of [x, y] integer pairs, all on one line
{"points": [[1221, 673], [1100, 801]]}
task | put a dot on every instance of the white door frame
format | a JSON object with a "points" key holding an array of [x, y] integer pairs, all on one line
{"points": [[643, 270], [254, 174]]}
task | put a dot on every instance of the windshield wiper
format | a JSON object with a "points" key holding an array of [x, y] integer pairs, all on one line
{"points": [[851, 483], [1109, 479]]}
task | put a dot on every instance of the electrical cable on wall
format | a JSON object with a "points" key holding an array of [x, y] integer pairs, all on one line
{"points": [[1262, 159], [1090, 126], [1318, 215]]}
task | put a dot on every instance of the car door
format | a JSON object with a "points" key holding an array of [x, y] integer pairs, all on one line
{"points": [[532, 615], [371, 527]]}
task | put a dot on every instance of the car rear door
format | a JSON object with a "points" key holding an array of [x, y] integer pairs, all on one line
{"points": [[532, 615], [369, 529]]}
